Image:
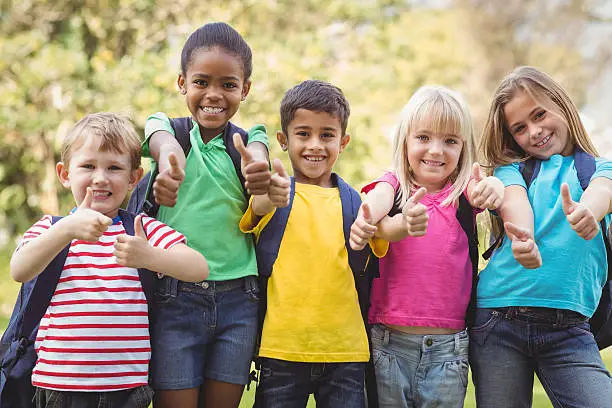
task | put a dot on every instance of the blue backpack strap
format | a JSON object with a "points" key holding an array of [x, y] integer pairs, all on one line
{"points": [[228, 139], [43, 287], [270, 238], [585, 167], [147, 278]]}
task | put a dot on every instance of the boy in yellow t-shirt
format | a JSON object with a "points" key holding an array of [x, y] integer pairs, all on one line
{"points": [[313, 338]]}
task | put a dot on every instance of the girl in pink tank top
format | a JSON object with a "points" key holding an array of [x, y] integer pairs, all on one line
{"points": [[419, 302]]}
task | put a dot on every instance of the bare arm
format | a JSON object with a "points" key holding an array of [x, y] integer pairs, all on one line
{"points": [[161, 144], [169, 155], [180, 262], [598, 197], [392, 229], [375, 206]]}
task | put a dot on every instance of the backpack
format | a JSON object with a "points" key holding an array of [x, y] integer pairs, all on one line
{"points": [[17, 344], [142, 199], [363, 264], [601, 321], [467, 221]]}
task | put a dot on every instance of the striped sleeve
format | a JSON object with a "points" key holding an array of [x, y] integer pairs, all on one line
{"points": [[35, 230], [160, 235]]}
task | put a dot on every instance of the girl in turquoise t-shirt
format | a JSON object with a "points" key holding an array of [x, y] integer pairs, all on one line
{"points": [[543, 283], [203, 336]]}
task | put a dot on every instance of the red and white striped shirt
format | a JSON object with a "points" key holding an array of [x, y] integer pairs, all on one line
{"points": [[94, 335]]}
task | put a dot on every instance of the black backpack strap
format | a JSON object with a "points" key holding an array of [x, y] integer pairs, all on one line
{"points": [[42, 292], [465, 216], [228, 140], [147, 278], [182, 128]]}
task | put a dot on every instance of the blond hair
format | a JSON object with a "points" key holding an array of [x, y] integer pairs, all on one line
{"points": [[498, 144], [116, 131], [440, 110]]}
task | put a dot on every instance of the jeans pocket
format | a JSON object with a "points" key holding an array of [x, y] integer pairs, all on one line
{"points": [[484, 322], [251, 289]]}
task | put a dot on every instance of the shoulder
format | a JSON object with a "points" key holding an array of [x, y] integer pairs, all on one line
{"points": [[603, 168]]}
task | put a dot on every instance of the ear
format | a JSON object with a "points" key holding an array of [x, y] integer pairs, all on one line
{"points": [[62, 174], [245, 89], [180, 81], [135, 176], [282, 140], [344, 140]]}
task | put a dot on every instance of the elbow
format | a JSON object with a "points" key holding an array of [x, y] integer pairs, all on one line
{"points": [[17, 274]]}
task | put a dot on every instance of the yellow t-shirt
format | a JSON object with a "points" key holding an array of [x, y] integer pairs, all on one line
{"points": [[313, 313]]}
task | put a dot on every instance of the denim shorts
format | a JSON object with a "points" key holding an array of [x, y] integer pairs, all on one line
{"points": [[420, 370], [139, 397], [204, 330]]}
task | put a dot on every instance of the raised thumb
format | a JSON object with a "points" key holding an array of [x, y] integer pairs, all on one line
{"points": [[138, 228], [87, 200], [278, 167], [239, 145], [366, 213], [515, 232], [476, 174], [566, 199]]}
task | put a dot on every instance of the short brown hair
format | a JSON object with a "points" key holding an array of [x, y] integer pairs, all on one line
{"points": [[117, 133]]}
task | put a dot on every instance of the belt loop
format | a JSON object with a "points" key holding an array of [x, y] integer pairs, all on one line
{"points": [[560, 317], [457, 343], [386, 336]]}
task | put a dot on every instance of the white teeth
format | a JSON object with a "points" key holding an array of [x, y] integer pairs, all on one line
{"points": [[210, 109], [433, 163], [314, 158], [101, 194], [543, 141]]}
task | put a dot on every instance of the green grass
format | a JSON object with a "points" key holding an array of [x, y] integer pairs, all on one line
{"points": [[8, 294]]}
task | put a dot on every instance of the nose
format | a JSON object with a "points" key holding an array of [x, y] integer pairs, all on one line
{"points": [[99, 176], [213, 92], [436, 147], [534, 130]]}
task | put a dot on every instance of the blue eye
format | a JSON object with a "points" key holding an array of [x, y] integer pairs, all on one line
{"points": [[540, 114], [422, 138]]}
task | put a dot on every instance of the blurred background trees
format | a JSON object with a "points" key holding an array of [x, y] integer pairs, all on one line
{"points": [[61, 59]]}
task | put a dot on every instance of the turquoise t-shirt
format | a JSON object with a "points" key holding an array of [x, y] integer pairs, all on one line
{"points": [[210, 203], [573, 270]]}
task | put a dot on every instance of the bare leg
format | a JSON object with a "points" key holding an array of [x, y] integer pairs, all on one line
{"points": [[186, 398], [221, 394]]}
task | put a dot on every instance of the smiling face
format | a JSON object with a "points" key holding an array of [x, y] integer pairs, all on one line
{"points": [[108, 173], [213, 86], [433, 157], [314, 141], [540, 132]]}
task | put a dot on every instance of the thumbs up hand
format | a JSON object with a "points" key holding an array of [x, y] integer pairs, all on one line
{"points": [[524, 248], [132, 251], [415, 214], [85, 223], [168, 182], [579, 216], [363, 229], [256, 172], [487, 192], [280, 185]]}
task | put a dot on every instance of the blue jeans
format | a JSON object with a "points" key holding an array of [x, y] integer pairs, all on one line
{"points": [[203, 330], [139, 397], [287, 384], [420, 370], [508, 345]]}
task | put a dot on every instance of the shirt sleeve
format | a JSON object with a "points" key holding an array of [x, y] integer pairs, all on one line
{"points": [[254, 224], [510, 175], [35, 230], [258, 134], [379, 247], [603, 168], [388, 177], [160, 235], [155, 122]]}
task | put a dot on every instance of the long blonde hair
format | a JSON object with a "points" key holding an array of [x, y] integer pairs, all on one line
{"points": [[440, 110], [498, 144]]}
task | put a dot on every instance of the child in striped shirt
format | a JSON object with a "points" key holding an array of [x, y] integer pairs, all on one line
{"points": [[93, 343]]}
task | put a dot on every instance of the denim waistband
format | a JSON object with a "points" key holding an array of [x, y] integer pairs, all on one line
{"points": [[172, 285], [545, 315]]}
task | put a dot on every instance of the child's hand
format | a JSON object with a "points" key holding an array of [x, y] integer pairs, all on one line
{"points": [[133, 251], [362, 229], [280, 185], [87, 224], [167, 183], [524, 248], [488, 192], [415, 214], [256, 172], [579, 216]]}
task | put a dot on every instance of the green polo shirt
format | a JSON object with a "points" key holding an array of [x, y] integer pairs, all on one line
{"points": [[210, 202]]}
